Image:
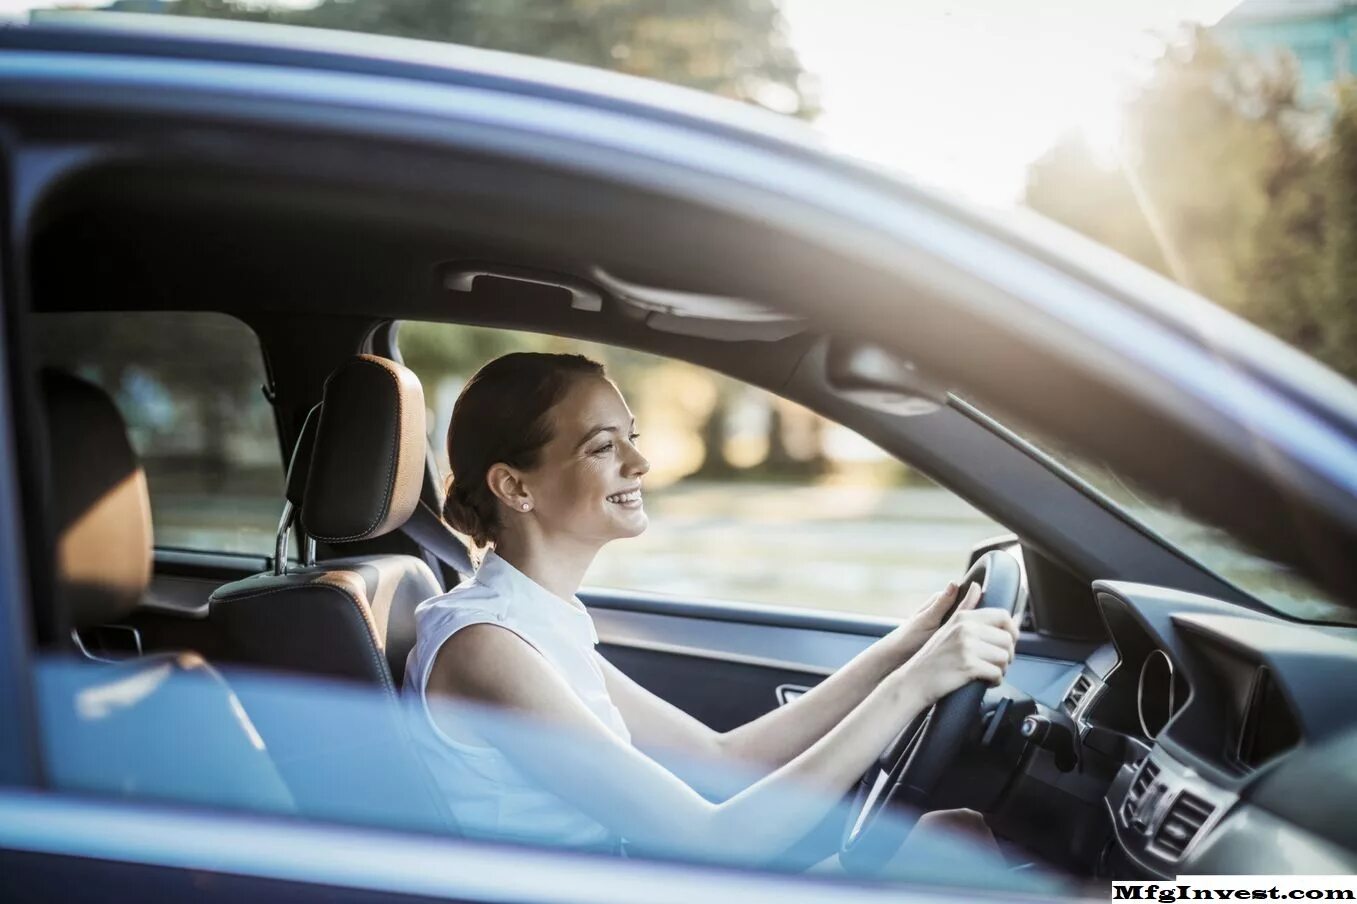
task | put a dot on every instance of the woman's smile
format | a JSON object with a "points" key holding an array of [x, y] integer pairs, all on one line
{"points": [[627, 499]]}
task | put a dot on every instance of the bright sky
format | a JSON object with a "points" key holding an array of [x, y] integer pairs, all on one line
{"points": [[965, 93]]}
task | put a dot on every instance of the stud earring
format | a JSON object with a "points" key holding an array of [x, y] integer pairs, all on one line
{"points": [[526, 506]]}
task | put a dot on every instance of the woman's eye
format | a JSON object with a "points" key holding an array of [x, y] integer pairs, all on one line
{"points": [[634, 437], [601, 449]]}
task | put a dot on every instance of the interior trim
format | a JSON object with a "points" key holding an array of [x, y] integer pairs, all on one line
{"points": [[674, 649], [744, 613], [205, 560]]}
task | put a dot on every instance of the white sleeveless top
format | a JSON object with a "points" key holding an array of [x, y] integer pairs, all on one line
{"points": [[485, 792]]}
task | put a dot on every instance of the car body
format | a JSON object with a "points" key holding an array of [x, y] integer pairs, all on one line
{"points": [[321, 190]]}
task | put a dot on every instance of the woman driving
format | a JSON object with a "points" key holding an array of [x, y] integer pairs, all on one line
{"points": [[546, 471]]}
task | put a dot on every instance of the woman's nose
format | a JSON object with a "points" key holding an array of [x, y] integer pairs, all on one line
{"points": [[637, 464]]}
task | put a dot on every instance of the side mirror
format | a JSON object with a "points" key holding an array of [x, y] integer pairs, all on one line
{"points": [[878, 378]]}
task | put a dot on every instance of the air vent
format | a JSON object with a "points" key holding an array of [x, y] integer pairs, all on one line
{"points": [[1148, 773], [1077, 692], [1182, 823]]}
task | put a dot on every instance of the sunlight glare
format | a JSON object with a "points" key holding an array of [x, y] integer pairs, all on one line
{"points": [[964, 95]]}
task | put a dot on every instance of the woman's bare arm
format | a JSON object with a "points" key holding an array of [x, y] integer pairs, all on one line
{"points": [[774, 739], [588, 766]]}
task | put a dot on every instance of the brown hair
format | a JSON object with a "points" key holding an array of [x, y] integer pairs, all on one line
{"points": [[503, 415]]}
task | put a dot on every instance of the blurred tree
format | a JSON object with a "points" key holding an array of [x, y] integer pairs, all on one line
{"points": [[809, 459], [734, 48], [1229, 184], [1330, 322], [435, 350], [1070, 184], [714, 434]]}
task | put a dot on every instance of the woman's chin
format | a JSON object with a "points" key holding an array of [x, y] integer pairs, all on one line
{"points": [[634, 525]]}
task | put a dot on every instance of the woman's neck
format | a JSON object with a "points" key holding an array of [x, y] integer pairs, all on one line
{"points": [[559, 568]]}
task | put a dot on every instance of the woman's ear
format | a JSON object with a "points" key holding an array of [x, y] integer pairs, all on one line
{"points": [[506, 484]]}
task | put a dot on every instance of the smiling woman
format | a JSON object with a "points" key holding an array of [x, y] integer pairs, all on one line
{"points": [[550, 475]]}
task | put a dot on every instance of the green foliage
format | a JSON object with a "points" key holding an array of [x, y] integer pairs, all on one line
{"points": [[434, 351], [1229, 184], [734, 48], [1331, 321]]}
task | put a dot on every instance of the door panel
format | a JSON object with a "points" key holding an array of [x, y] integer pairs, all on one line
{"points": [[724, 663], [722, 694]]}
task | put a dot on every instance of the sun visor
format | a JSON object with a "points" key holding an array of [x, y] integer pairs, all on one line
{"points": [[693, 314]]}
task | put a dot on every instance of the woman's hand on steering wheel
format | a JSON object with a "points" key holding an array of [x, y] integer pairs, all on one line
{"points": [[946, 679], [972, 644], [925, 622]]}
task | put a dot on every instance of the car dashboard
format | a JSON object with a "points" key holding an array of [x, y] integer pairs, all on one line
{"points": [[1228, 735]]}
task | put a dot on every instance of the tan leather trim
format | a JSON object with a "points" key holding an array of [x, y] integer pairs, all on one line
{"points": [[105, 554], [408, 477]]}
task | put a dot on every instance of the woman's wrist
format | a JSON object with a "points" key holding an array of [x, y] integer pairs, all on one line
{"points": [[905, 641], [906, 691]]}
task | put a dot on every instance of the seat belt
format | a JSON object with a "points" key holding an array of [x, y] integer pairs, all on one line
{"points": [[434, 537]]}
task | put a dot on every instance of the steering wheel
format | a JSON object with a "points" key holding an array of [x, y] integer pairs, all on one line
{"points": [[908, 770]]}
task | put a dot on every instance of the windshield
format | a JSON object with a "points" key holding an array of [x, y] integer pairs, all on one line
{"points": [[1271, 583]]}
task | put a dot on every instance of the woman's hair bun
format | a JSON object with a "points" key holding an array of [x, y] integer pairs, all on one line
{"points": [[462, 514]]}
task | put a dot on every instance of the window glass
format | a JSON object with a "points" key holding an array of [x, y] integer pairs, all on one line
{"points": [[1210, 546], [750, 498], [266, 743], [188, 386]]}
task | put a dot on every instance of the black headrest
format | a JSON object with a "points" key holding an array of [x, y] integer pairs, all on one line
{"points": [[367, 466], [101, 511]]}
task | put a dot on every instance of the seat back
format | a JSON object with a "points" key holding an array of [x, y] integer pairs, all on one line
{"points": [[350, 618], [163, 726], [343, 748]]}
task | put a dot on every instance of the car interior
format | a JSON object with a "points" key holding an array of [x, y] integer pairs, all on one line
{"points": [[1158, 721]]}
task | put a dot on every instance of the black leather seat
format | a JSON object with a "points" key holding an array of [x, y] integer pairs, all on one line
{"points": [[343, 747], [163, 726], [353, 617]]}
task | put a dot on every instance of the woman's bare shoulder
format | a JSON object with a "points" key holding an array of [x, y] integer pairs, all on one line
{"points": [[489, 662]]}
